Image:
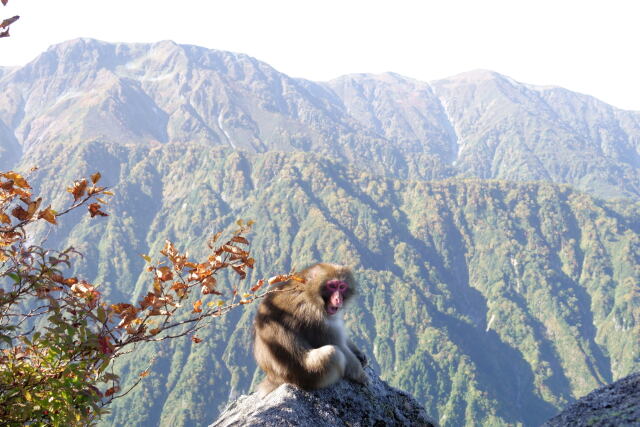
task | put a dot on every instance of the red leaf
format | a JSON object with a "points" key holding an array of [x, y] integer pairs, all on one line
{"points": [[48, 215], [20, 213], [258, 285], [94, 209], [95, 177], [78, 189], [111, 391], [197, 307], [239, 239], [164, 273], [279, 278], [4, 218]]}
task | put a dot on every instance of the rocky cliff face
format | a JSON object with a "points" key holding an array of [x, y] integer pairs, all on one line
{"points": [[616, 404], [344, 404]]}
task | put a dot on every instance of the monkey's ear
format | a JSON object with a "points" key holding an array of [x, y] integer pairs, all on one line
{"points": [[312, 273]]}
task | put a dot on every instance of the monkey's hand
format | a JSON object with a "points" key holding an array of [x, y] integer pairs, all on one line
{"points": [[353, 369], [360, 355], [354, 372]]}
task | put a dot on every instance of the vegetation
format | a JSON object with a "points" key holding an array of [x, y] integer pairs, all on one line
{"points": [[59, 338]]}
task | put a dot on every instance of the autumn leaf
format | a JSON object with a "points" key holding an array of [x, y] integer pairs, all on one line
{"points": [[196, 339], [78, 189], [144, 373], [4, 2], [298, 279], [94, 190], [213, 239], [239, 239], [105, 345], [21, 193], [178, 286], [48, 215], [4, 218], [240, 271], [234, 250], [95, 177], [16, 178], [279, 278], [164, 273], [122, 307], [111, 391], [33, 206], [208, 286], [94, 209], [20, 213], [258, 285], [70, 281], [197, 307], [9, 21]]}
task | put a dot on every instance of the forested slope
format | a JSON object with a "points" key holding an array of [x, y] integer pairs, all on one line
{"points": [[490, 301]]}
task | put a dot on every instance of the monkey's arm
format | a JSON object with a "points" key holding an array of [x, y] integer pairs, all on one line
{"points": [[356, 351], [353, 369]]}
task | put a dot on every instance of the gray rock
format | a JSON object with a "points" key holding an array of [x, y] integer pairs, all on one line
{"points": [[343, 404], [617, 404]]}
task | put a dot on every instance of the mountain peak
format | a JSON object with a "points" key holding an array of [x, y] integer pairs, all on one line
{"points": [[477, 75]]}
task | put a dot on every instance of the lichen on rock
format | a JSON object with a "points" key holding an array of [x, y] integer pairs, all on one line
{"points": [[616, 404], [343, 404]]}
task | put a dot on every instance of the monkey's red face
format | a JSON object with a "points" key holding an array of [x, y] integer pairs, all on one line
{"points": [[335, 291]]}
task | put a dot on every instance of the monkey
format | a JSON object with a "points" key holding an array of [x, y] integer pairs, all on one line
{"points": [[299, 335]]}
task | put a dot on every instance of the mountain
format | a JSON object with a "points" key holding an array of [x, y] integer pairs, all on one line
{"points": [[479, 124], [492, 301]]}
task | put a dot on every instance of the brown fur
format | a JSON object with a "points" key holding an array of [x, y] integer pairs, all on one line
{"points": [[295, 340]]}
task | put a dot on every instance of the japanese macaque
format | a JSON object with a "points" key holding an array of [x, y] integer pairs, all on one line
{"points": [[299, 333]]}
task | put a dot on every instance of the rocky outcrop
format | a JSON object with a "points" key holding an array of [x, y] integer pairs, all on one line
{"points": [[344, 404], [616, 404]]}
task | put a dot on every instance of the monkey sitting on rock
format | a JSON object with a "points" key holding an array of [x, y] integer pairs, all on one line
{"points": [[300, 337]]}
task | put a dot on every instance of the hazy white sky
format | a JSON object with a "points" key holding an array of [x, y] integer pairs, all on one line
{"points": [[583, 45]]}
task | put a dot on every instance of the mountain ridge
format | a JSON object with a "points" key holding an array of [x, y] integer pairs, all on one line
{"points": [[476, 124]]}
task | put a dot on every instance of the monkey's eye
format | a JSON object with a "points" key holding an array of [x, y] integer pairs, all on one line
{"points": [[337, 285]]}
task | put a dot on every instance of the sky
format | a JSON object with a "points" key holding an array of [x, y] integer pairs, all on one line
{"points": [[588, 46]]}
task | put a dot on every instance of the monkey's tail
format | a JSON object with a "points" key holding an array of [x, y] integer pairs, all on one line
{"points": [[267, 386]]}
